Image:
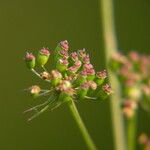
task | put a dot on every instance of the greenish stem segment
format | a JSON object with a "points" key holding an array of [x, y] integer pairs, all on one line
{"points": [[131, 132], [81, 125], [110, 48], [38, 75]]}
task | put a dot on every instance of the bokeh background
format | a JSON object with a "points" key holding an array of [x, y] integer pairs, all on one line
{"points": [[32, 24]]}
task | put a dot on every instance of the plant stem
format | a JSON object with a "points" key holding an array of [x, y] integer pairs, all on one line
{"points": [[38, 75], [131, 132], [81, 125], [110, 48]]}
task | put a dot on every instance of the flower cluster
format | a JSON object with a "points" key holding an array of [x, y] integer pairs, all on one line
{"points": [[144, 140], [133, 72], [73, 78]]}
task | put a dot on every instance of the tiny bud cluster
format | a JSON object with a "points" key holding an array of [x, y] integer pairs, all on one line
{"points": [[133, 71], [144, 140], [73, 77]]}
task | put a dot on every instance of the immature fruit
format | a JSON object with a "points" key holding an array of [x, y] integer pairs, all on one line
{"points": [[55, 77], [66, 90], [43, 56], [30, 60], [35, 90], [90, 74], [104, 92], [81, 77], [74, 56], [61, 49], [100, 77], [83, 90], [62, 64]]}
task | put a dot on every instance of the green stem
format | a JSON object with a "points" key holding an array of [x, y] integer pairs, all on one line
{"points": [[38, 75], [81, 125], [131, 132], [110, 48]]}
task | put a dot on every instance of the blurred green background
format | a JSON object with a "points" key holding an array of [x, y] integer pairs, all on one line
{"points": [[32, 24]]}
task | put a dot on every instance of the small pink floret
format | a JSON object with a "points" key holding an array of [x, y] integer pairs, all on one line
{"points": [[102, 74], [107, 88], [88, 66], [90, 71], [72, 68], [29, 56], [44, 51], [64, 44], [77, 63], [74, 55], [83, 72], [63, 61]]}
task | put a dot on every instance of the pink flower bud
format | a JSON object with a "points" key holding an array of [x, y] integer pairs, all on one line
{"points": [[56, 74], [29, 56], [72, 68], [85, 85], [45, 51], [74, 56], [82, 53], [64, 53], [43, 56], [83, 73], [118, 57], [101, 74], [86, 59], [77, 63], [63, 61], [107, 89], [88, 66], [64, 45], [90, 71], [134, 56], [56, 77], [30, 60], [62, 64]]}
